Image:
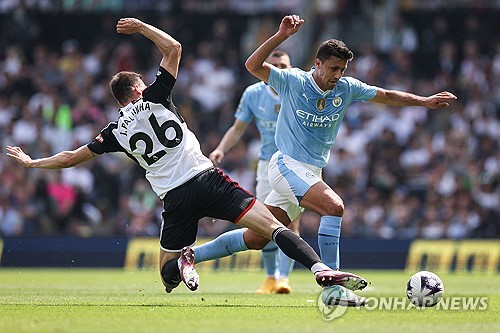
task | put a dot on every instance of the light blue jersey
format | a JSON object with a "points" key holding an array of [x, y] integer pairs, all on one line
{"points": [[310, 118], [259, 102]]}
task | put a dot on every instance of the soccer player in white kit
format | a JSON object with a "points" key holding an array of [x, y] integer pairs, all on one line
{"points": [[151, 132], [261, 103]]}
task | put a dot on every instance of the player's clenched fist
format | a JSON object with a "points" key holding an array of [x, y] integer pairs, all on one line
{"points": [[290, 24], [128, 25]]}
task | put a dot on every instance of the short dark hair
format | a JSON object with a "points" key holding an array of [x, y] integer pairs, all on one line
{"points": [[278, 53], [121, 85], [335, 48]]}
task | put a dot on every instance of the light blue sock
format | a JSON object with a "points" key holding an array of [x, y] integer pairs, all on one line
{"points": [[223, 246], [270, 258], [328, 240], [286, 265]]}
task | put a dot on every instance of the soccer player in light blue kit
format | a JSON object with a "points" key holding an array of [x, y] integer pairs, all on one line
{"points": [[313, 106], [261, 103]]}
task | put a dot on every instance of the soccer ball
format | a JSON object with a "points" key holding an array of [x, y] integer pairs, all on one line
{"points": [[424, 289]]}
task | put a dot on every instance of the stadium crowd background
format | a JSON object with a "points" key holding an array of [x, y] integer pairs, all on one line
{"points": [[402, 172]]}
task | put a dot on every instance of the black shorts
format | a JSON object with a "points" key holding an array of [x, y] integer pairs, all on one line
{"points": [[209, 194]]}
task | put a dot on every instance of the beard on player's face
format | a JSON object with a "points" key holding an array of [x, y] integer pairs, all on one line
{"points": [[330, 71], [326, 80]]}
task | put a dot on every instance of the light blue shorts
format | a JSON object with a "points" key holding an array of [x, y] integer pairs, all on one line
{"points": [[290, 180]]}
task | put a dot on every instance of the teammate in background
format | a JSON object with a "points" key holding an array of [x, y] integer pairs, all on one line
{"points": [[150, 131], [261, 102], [313, 105]]}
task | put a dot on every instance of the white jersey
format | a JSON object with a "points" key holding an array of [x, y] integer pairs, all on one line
{"points": [[153, 133]]}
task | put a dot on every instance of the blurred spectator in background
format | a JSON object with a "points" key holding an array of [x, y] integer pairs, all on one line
{"points": [[11, 221]]}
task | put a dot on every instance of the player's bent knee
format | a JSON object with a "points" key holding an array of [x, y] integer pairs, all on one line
{"points": [[337, 210], [254, 241]]}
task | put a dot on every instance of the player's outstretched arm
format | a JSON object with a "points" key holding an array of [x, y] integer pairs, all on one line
{"points": [[65, 159], [169, 47], [256, 64], [229, 140], [401, 98]]}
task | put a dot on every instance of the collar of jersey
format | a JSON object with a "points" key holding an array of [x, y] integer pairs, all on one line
{"points": [[315, 85], [128, 106]]}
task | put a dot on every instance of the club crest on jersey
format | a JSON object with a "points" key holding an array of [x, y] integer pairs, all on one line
{"points": [[337, 101], [320, 104], [277, 108]]}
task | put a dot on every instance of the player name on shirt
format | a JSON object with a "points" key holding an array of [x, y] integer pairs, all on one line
{"points": [[134, 110]]}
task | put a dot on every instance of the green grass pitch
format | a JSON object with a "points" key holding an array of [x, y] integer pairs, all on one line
{"points": [[109, 300]]}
